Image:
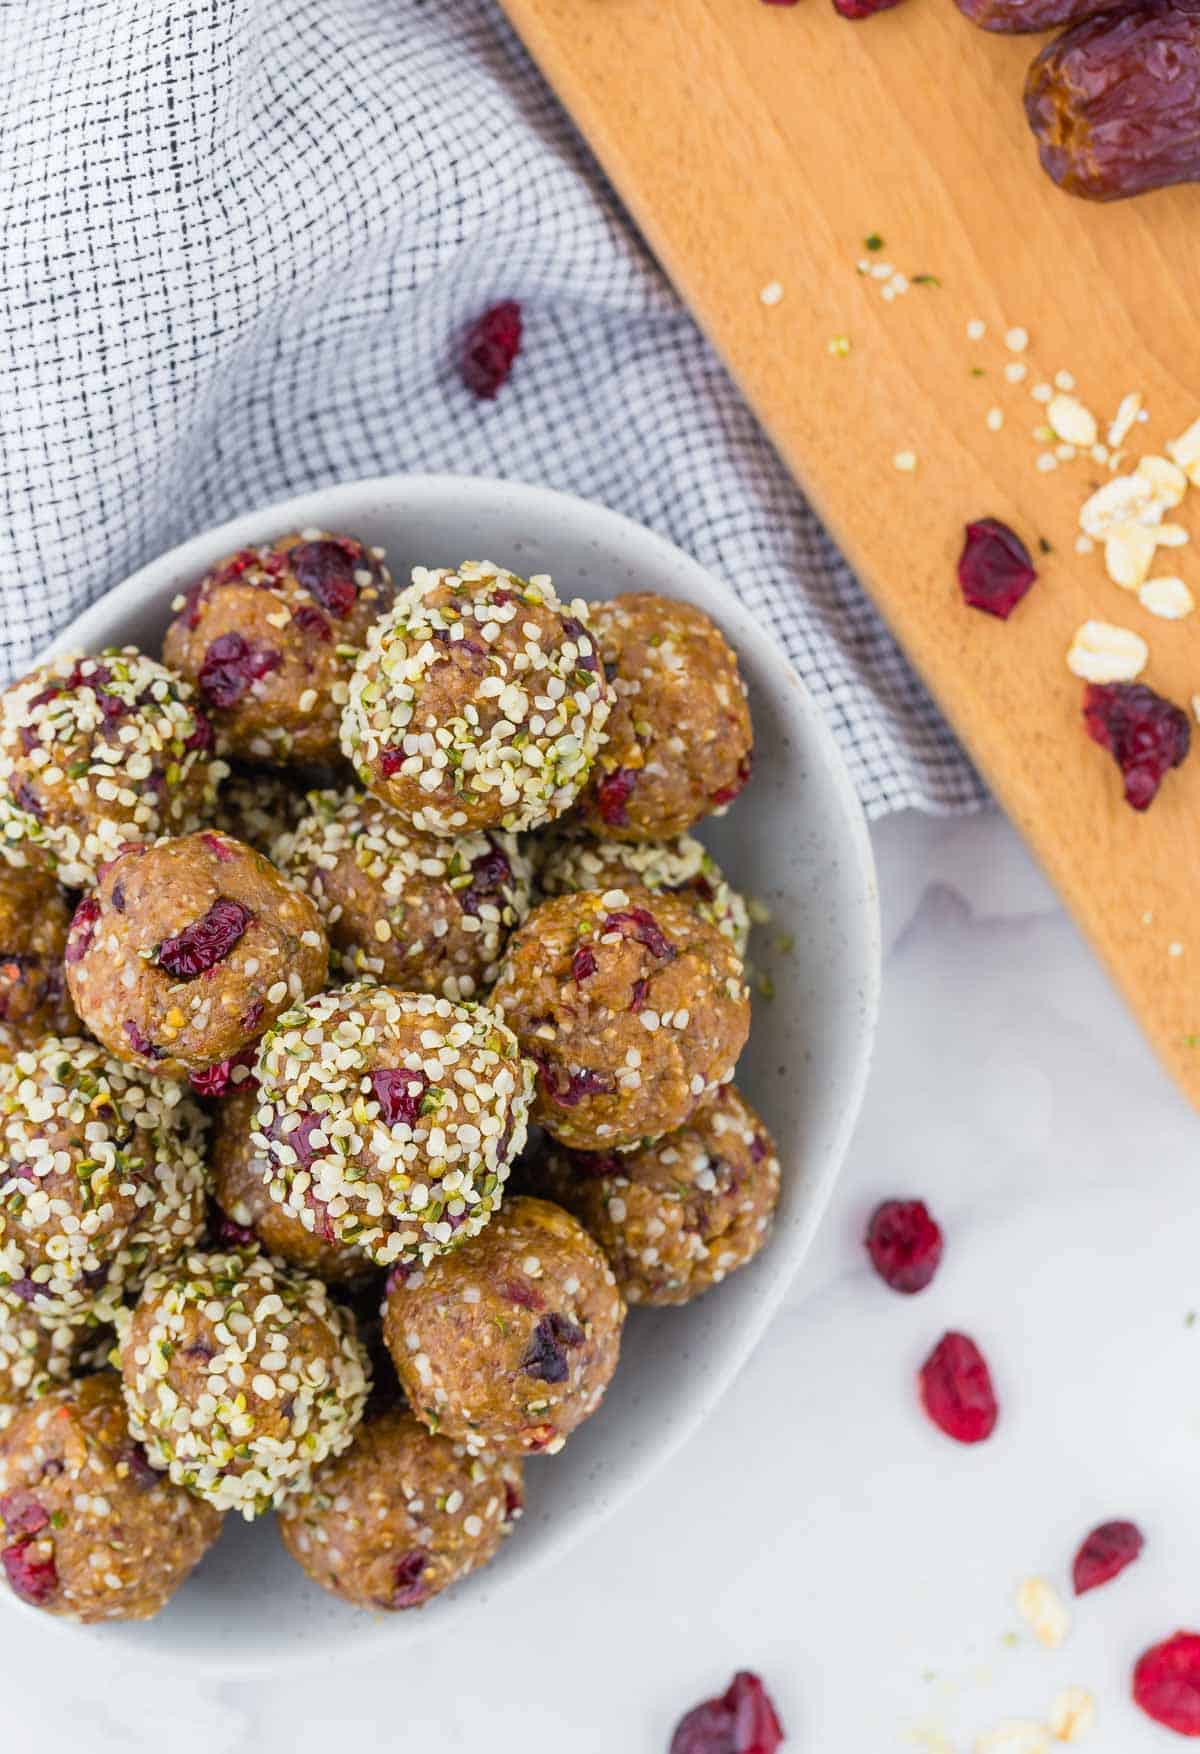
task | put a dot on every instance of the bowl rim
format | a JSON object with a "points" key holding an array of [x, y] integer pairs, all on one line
{"points": [[328, 507]]}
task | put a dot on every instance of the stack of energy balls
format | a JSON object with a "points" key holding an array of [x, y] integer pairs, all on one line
{"points": [[277, 1007]]}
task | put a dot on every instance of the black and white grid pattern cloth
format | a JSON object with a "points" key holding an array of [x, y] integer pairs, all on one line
{"points": [[238, 239]]}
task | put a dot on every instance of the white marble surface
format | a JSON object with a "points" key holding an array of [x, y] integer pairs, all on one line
{"points": [[818, 1529]]}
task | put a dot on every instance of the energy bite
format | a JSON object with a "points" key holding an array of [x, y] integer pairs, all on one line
{"points": [[679, 740], [390, 1118], [269, 638], [240, 1377], [679, 867], [509, 1343], [258, 805], [479, 702], [401, 1515], [95, 752], [101, 1178], [427, 914], [89, 1529], [186, 951], [241, 1170], [34, 917], [633, 1009], [679, 1215]]}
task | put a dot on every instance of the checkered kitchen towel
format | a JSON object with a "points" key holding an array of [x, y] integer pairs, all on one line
{"points": [[238, 237]]}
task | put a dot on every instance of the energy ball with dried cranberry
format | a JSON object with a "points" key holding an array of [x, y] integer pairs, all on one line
{"points": [[633, 1009], [401, 1515], [34, 918], [679, 1215], [479, 702], [423, 913], [269, 638], [259, 805], [101, 1178], [679, 740], [241, 1375], [96, 752], [241, 1170], [391, 1118], [186, 951], [509, 1343], [89, 1529], [679, 867]]}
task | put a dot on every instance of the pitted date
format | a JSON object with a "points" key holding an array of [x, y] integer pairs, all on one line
{"points": [[1015, 17], [1115, 102]]}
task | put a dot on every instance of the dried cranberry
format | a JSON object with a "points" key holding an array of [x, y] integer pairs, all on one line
{"points": [[140, 1042], [520, 1291], [759, 1148], [220, 849], [568, 1088], [956, 1390], [25, 1288], [638, 923], [514, 1504], [742, 1720], [408, 1589], [251, 1017], [118, 896], [400, 1094], [1104, 1554], [309, 620], [1166, 1683], [23, 1516], [326, 570], [490, 872], [203, 737], [862, 8], [641, 987], [583, 963], [391, 761], [994, 568], [299, 1137], [577, 632], [546, 1354], [612, 796], [1146, 734], [141, 1470], [228, 1232], [206, 941], [322, 1222], [904, 1243], [189, 609], [726, 794], [231, 664], [32, 1577], [489, 348], [218, 1079], [83, 929], [27, 799]]}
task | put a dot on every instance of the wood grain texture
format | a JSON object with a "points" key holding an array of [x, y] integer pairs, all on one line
{"points": [[755, 143]]}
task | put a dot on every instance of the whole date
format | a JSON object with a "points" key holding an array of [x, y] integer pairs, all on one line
{"points": [[1115, 102]]}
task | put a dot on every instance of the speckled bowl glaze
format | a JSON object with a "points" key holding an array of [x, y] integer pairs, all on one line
{"points": [[796, 840]]}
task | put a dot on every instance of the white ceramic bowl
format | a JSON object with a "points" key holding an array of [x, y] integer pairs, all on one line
{"points": [[795, 839]]}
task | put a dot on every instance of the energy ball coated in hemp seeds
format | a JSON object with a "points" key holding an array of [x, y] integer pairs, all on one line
{"points": [[101, 1178], [97, 752], [426, 914], [187, 950], [401, 1515], [679, 867], [679, 742], [35, 1357], [240, 1377], [34, 918], [632, 1007], [391, 1118], [241, 1170], [269, 638], [679, 1215], [479, 702], [88, 1529], [510, 1343]]}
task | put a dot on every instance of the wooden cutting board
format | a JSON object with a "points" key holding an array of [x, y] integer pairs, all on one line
{"points": [[760, 143]]}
